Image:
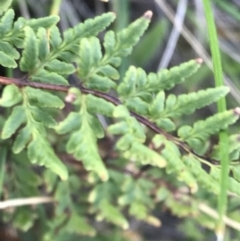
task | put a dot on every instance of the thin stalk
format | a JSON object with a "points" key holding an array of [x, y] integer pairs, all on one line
{"points": [[174, 36], [55, 8], [221, 105], [121, 8], [64, 88], [19, 202], [24, 9]]}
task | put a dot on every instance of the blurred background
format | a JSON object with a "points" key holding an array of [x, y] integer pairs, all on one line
{"points": [[177, 34]]}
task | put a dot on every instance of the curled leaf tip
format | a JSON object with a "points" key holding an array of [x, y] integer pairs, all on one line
{"points": [[193, 188], [64, 176], [73, 94], [64, 179], [104, 177], [199, 60], [148, 14], [71, 97], [237, 111]]}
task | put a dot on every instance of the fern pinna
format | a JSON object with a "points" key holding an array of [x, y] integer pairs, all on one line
{"points": [[108, 129]]}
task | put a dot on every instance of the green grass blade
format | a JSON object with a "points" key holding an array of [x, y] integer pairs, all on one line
{"points": [[3, 152], [218, 74]]}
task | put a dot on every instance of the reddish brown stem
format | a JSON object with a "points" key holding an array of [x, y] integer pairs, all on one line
{"points": [[115, 101]]}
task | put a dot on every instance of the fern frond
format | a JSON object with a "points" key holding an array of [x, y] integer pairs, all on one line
{"points": [[120, 45], [90, 27], [90, 57], [79, 225], [60, 67], [182, 208], [85, 129], [203, 178], [201, 130], [169, 78], [49, 77], [137, 91], [162, 110], [68, 48], [63, 194], [43, 47], [30, 53], [22, 139], [139, 152], [137, 105], [134, 83], [12, 35], [134, 128], [140, 102], [55, 38], [36, 120], [186, 103], [40, 152], [8, 49], [97, 71], [136, 190], [102, 198], [6, 61], [43, 98], [111, 214], [23, 172], [166, 124], [14, 121], [174, 161], [52, 71], [10, 96], [137, 84], [20, 186], [131, 143], [24, 182], [103, 107], [8, 54], [82, 144], [50, 64], [45, 22], [136, 195], [33, 134]]}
